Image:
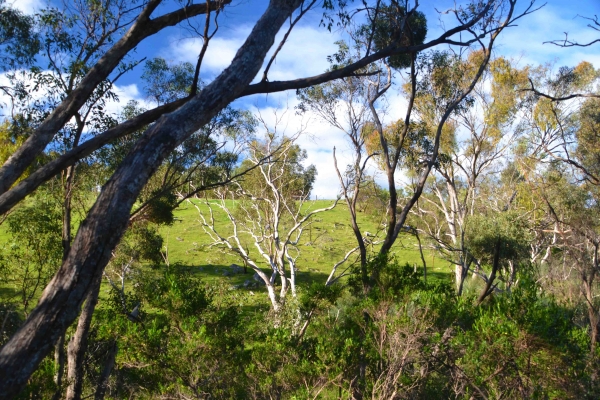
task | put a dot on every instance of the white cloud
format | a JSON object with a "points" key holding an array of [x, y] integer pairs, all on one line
{"points": [[319, 139], [125, 94], [304, 53], [28, 6], [6, 101], [526, 42], [319, 146], [219, 54]]}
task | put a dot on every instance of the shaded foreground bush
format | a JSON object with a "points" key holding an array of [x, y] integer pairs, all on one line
{"points": [[403, 339]]}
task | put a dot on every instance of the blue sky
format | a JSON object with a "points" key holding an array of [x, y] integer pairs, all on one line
{"points": [[305, 55]]}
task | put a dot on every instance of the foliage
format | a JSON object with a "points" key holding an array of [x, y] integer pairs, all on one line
{"points": [[381, 329], [507, 228], [19, 41], [285, 157], [166, 83], [408, 337], [31, 257], [269, 198], [372, 199], [587, 151], [177, 346], [394, 25]]}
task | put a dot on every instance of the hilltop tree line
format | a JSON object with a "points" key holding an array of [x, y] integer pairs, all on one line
{"points": [[494, 167]]}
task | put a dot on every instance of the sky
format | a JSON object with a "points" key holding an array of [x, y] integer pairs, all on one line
{"points": [[306, 53]]}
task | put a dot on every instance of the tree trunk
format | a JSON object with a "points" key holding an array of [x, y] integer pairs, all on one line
{"points": [[422, 256], [78, 346], [458, 276], [59, 351], [593, 315], [592, 311], [107, 220], [351, 202], [59, 366], [461, 271], [495, 264], [67, 211], [108, 366]]}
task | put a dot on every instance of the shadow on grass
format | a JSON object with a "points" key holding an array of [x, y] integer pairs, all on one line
{"points": [[236, 276], [436, 276]]}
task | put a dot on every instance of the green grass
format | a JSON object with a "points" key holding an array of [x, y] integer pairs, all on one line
{"points": [[323, 243]]}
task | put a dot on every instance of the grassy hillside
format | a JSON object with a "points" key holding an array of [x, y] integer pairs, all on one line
{"points": [[323, 243]]}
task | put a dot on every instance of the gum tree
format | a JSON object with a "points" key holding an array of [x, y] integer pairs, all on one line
{"points": [[270, 212], [174, 122], [456, 190], [437, 85]]}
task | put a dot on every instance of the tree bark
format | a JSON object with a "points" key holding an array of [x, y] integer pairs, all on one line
{"points": [[106, 222], [588, 280], [18, 192], [108, 366], [78, 346], [9, 198], [59, 350], [98, 235], [495, 266], [59, 366]]}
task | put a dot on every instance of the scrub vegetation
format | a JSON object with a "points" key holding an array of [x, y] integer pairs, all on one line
{"points": [[178, 251]]}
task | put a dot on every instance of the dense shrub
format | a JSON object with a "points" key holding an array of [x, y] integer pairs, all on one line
{"points": [[402, 339]]}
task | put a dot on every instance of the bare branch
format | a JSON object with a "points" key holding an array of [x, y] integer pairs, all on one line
{"points": [[595, 25], [553, 98]]}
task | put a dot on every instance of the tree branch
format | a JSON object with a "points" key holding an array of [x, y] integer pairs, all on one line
{"points": [[142, 28], [10, 198]]}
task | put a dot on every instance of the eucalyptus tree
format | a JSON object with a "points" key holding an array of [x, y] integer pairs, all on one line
{"points": [[572, 237], [560, 128], [437, 86], [441, 80], [19, 41], [197, 164], [108, 218], [560, 164], [270, 212], [476, 148], [71, 40]]}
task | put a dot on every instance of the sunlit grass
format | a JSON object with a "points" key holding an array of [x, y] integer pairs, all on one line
{"points": [[324, 242]]}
